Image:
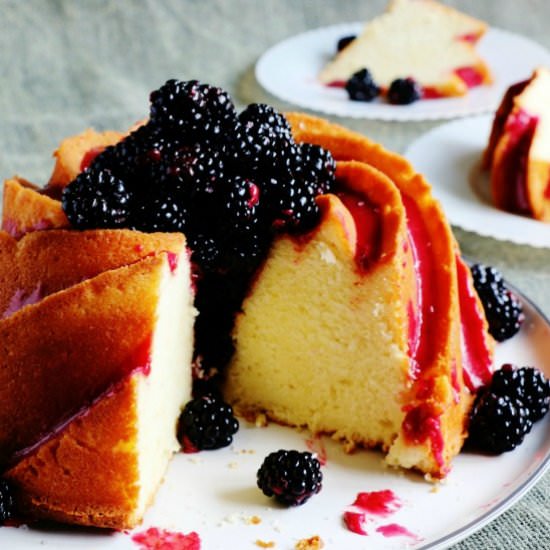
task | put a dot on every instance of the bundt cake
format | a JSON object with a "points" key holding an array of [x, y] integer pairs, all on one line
{"points": [[108, 313], [338, 283], [518, 152], [383, 364], [420, 39]]}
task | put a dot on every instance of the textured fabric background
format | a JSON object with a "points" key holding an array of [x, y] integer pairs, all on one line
{"points": [[67, 65]]}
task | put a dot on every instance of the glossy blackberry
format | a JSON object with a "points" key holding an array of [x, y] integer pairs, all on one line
{"points": [[318, 168], [403, 91], [206, 252], [361, 86], [345, 41], [263, 136], [498, 423], [527, 384], [292, 477], [239, 204], [7, 501], [194, 109], [503, 310], [165, 213], [206, 423], [97, 199]]}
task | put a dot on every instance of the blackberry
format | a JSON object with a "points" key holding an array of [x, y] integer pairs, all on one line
{"points": [[97, 199], [345, 41], [502, 308], [527, 384], [292, 477], [239, 205], [7, 501], [318, 168], [162, 213], [206, 252], [263, 136], [206, 422], [498, 423], [403, 91], [193, 109], [361, 86]]}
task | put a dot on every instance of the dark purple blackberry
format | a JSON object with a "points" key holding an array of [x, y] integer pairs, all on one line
{"points": [[195, 110], [361, 86], [498, 423], [263, 136], [527, 384], [239, 205], [206, 253], [345, 41], [292, 477], [97, 199], [403, 91], [7, 501], [165, 213], [503, 310], [206, 423]]}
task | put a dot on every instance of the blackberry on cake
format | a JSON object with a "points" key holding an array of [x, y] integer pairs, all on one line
{"points": [[292, 477], [403, 91], [345, 41], [503, 309], [7, 501]]}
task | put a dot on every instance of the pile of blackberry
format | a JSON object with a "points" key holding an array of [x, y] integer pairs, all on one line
{"points": [[230, 181], [504, 411], [502, 308]]}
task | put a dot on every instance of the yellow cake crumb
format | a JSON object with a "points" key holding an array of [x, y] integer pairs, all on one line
{"points": [[312, 543], [265, 544]]}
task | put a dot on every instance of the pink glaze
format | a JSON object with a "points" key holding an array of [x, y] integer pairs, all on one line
{"points": [[20, 300], [395, 530], [369, 229], [511, 174], [162, 539], [423, 316], [173, 260], [422, 423], [89, 157], [476, 355], [430, 92], [12, 227], [355, 522], [471, 76], [378, 503], [337, 84], [471, 37], [254, 192]]}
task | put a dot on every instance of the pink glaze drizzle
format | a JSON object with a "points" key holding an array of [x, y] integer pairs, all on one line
{"points": [[355, 522], [162, 539], [173, 260], [476, 356], [378, 503], [395, 530], [369, 230], [471, 76], [20, 300]]}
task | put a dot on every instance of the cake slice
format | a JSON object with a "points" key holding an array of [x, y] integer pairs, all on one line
{"points": [[518, 152], [94, 449], [363, 328], [422, 39]]}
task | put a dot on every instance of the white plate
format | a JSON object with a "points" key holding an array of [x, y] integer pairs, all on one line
{"points": [[449, 156], [214, 493], [289, 71]]}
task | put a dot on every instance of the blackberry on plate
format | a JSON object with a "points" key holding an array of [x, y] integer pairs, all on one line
{"points": [[403, 91], [7, 501], [361, 86], [97, 199], [498, 423], [527, 384], [345, 41], [502, 308], [292, 477], [206, 422]]}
